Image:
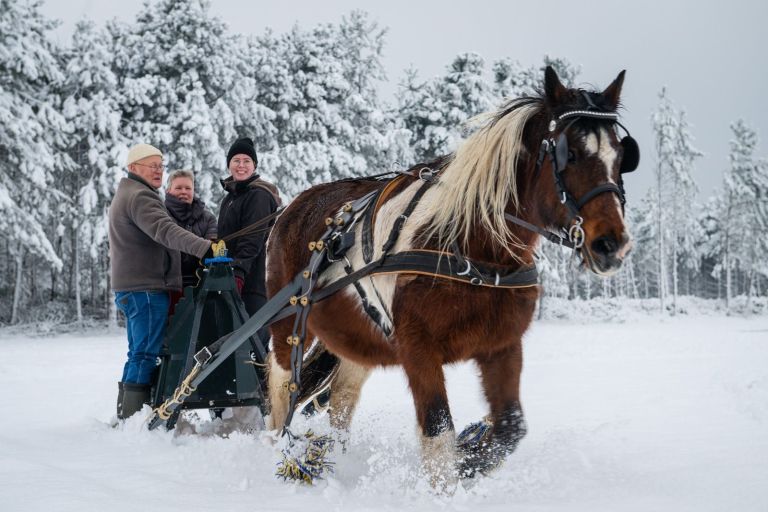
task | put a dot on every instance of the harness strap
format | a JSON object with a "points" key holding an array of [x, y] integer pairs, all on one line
{"points": [[552, 237], [370, 310], [435, 264], [605, 187], [400, 221]]}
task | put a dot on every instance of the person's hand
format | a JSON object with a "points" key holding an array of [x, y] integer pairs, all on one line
{"points": [[219, 249]]}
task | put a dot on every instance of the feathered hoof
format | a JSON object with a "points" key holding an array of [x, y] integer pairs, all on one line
{"points": [[306, 458], [479, 462], [477, 453]]}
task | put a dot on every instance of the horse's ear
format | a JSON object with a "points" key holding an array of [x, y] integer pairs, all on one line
{"points": [[613, 91], [553, 88]]}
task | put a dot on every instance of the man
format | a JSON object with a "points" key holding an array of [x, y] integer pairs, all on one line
{"points": [[144, 245]]}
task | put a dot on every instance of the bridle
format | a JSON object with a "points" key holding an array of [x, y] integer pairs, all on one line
{"points": [[556, 148]]}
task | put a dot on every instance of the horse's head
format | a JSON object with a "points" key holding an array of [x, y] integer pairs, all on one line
{"points": [[579, 169]]}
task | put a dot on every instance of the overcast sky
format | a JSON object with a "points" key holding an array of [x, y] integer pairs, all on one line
{"points": [[709, 54]]}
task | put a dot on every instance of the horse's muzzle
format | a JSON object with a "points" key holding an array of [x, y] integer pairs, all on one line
{"points": [[606, 254]]}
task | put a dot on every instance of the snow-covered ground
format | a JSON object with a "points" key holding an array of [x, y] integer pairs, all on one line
{"points": [[652, 414]]}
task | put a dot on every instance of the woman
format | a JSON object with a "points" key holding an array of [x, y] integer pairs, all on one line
{"points": [[190, 213], [248, 200]]}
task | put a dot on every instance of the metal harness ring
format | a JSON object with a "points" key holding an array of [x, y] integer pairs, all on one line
{"points": [[576, 233], [465, 271]]}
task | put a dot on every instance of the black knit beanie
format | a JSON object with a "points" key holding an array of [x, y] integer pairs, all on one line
{"points": [[242, 146]]}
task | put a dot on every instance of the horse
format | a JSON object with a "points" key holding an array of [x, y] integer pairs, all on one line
{"points": [[489, 203]]}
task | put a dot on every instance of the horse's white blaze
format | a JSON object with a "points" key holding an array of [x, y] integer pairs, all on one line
{"points": [[606, 153], [602, 148]]}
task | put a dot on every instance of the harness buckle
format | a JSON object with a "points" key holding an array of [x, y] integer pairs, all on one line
{"points": [[576, 233], [203, 356], [426, 174], [476, 281], [466, 270], [563, 199]]}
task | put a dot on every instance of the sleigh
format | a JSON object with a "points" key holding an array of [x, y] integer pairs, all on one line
{"points": [[209, 312]]}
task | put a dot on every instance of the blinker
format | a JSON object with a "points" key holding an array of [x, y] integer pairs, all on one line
{"points": [[631, 154], [630, 151], [561, 151]]}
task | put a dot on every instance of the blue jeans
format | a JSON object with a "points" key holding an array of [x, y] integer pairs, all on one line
{"points": [[146, 314]]}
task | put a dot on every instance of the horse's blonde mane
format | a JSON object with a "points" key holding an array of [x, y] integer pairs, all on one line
{"points": [[480, 180]]}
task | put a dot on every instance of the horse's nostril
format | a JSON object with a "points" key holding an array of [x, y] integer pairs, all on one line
{"points": [[605, 246]]}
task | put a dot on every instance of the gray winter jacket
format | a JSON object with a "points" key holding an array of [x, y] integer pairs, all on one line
{"points": [[144, 241]]}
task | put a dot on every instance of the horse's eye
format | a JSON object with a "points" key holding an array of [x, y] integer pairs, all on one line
{"points": [[571, 156]]}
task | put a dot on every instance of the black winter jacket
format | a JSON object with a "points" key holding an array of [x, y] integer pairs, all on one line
{"points": [[197, 219], [247, 202]]}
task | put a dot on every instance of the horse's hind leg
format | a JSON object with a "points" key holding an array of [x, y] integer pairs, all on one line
{"points": [[501, 382], [345, 393]]}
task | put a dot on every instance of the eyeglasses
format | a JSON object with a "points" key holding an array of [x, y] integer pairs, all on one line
{"points": [[239, 162], [154, 167]]}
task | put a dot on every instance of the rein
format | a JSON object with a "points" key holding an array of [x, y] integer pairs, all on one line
{"points": [[256, 227]]}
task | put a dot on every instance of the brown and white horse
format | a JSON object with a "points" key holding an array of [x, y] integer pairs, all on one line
{"points": [[434, 321]]}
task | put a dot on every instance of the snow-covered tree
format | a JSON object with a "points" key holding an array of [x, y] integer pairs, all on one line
{"points": [[512, 80], [175, 66], [675, 192], [322, 86], [437, 112], [31, 129], [744, 211], [421, 110], [95, 145]]}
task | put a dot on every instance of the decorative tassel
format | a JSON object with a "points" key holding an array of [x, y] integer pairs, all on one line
{"points": [[474, 435], [312, 463]]}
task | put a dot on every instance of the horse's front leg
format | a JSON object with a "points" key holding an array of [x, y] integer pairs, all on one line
{"points": [[438, 438], [501, 383]]}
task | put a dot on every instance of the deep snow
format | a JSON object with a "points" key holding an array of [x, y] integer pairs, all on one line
{"points": [[651, 414]]}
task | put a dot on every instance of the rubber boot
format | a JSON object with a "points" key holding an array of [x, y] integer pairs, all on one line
{"points": [[119, 397], [134, 398]]}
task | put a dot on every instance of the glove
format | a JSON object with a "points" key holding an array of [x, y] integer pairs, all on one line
{"points": [[239, 283], [219, 249]]}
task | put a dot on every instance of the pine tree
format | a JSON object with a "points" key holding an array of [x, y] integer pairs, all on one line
{"points": [[512, 80], [31, 127], [175, 68], [422, 113], [95, 145], [437, 112], [744, 209], [322, 86]]}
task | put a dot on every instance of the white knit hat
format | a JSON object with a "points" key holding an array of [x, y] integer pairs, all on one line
{"points": [[141, 151]]}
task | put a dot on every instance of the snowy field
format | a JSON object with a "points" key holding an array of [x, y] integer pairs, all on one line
{"points": [[648, 415]]}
